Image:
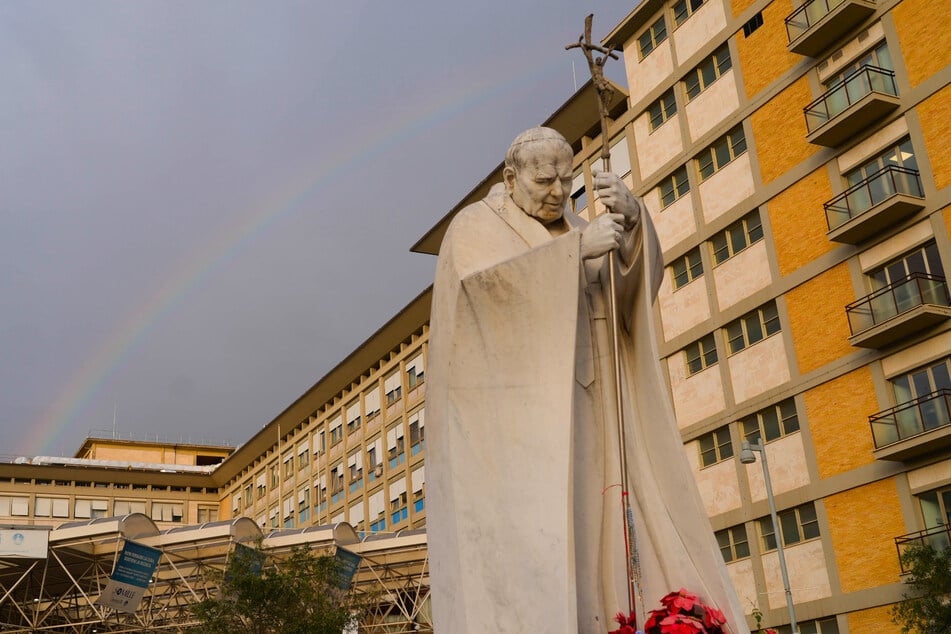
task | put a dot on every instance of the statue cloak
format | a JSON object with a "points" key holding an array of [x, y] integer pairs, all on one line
{"points": [[524, 516]]}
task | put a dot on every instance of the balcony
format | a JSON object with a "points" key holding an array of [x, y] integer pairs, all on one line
{"points": [[851, 105], [818, 24], [913, 428], [879, 201], [898, 310], [938, 537]]}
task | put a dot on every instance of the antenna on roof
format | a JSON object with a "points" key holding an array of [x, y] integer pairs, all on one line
{"points": [[115, 411]]}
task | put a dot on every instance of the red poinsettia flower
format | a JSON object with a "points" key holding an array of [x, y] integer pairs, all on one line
{"points": [[654, 619], [627, 624], [681, 624], [680, 600], [714, 617]]}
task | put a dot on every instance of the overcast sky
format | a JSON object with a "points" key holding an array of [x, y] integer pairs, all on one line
{"points": [[205, 206]]}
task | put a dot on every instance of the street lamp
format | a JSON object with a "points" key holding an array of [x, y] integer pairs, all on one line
{"points": [[747, 457]]}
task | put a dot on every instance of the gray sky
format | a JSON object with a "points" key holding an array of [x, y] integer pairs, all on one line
{"points": [[205, 206]]}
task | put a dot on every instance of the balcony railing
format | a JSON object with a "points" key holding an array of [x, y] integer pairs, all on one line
{"points": [[938, 537], [865, 95], [817, 24], [895, 299], [875, 189], [911, 419], [893, 193]]}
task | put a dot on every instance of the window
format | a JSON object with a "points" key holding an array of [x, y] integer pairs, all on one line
{"points": [[303, 506], [92, 509], [398, 510], [374, 454], [167, 511], [125, 507], [662, 109], [674, 186], [771, 423], [733, 543], [721, 153], [752, 327], [353, 417], [901, 154], [415, 372], [683, 9], [828, 625], [336, 484], [50, 507], [418, 479], [274, 476], [395, 445], [796, 524], [754, 23], [394, 389], [715, 446], [248, 499], [371, 402], [288, 517], [207, 514], [261, 485], [355, 471], [878, 57], [579, 197], [417, 432], [936, 510], [303, 457], [336, 431], [654, 35], [701, 354], [288, 470], [741, 234], [924, 259], [686, 268], [923, 381], [709, 70]]}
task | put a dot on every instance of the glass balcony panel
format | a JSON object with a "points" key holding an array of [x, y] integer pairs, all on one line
{"points": [[884, 433], [883, 307]]}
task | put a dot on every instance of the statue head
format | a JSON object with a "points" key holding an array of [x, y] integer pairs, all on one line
{"points": [[537, 173]]}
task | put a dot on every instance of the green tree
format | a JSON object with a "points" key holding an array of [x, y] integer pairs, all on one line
{"points": [[258, 594], [926, 608]]}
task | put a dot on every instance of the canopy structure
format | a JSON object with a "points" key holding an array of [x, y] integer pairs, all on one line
{"points": [[58, 593]]}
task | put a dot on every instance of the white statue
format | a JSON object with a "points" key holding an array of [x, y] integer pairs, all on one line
{"points": [[524, 523]]}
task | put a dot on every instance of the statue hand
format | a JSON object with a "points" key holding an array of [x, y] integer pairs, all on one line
{"points": [[618, 198], [602, 234]]}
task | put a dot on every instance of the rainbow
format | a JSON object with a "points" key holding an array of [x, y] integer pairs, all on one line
{"points": [[72, 400]]}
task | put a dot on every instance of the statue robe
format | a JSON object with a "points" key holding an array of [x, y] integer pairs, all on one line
{"points": [[524, 515]]}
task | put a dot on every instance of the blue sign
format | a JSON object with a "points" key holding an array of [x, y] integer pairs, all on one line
{"points": [[130, 577]]}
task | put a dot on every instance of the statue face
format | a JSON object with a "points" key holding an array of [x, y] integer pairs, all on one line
{"points": [[542, 184]]}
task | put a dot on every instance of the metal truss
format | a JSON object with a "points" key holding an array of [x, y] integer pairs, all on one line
{"points": [[59, 594]]}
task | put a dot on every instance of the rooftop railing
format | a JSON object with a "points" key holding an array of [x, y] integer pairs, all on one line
{"points": [[875, 189], [911, 419], [895, 299], [848, 91]]}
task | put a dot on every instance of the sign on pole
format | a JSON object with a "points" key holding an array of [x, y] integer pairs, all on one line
{"points": [[24, 542], [130, 577], [347, 564]]}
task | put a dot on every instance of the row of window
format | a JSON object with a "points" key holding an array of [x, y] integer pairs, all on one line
{"points": [[723, 246], [708, 162], [59, 508], [740, 333], [657, 32], [768, 424], [796, 525], [694, 82], [298, 459]]}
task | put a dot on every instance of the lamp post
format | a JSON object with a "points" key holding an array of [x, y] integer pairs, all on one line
{"points": [[747, 457]]}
